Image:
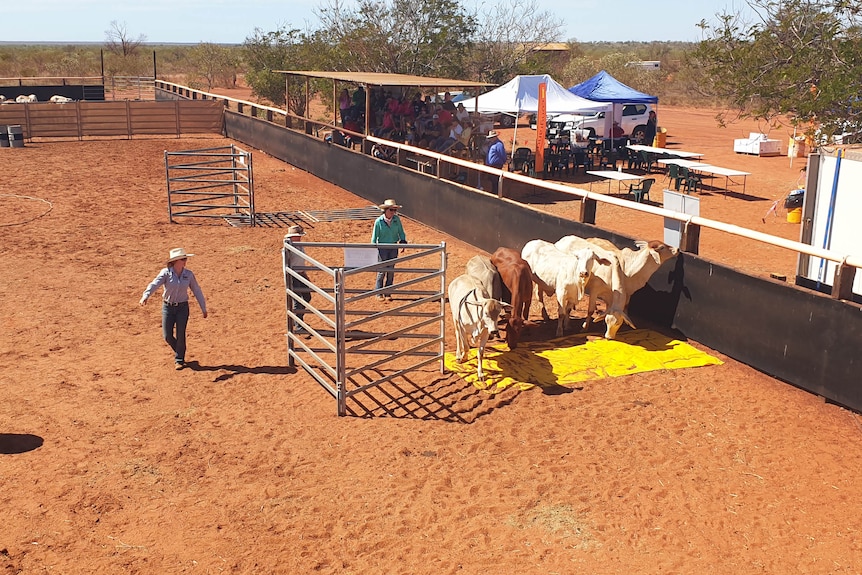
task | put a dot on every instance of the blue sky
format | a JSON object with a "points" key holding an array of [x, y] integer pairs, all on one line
{"points": [[229, 21]]}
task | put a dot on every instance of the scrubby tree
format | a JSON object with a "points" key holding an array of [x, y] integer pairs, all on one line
{"points": [[617, 64], [509, 34], [799, 58], [422, 37], [216, 64], [264, 53], [119, 41], [124, 52]]}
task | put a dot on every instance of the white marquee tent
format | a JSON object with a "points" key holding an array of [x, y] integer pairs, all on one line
{"points": [[521, 95]]}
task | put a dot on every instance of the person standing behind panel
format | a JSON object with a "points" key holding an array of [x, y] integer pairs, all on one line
{"points": [[177, 280], [294, 234], [387, 230], [496, 156]]}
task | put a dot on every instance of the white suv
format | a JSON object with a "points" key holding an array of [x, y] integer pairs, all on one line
{"points": [[634, 119]]}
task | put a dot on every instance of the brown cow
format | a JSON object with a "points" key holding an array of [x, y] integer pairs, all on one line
{"points": [[517, 279]]}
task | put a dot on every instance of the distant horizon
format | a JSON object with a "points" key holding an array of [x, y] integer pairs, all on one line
{"points": [[149, 43], [181, 22]]}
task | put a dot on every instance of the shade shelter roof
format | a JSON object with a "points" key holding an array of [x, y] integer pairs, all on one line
{"points": [[605, 88], [376, 79], [521, 94], [386, 79]]}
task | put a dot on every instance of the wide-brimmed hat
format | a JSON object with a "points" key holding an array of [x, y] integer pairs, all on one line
{"points": [[389, 204], [295, 231], [178, 254], [492, 134]]}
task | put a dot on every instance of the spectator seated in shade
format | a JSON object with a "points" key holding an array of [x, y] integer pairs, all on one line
{"points": [[443, 144], [387, 127], [418, 105], [462, 114], [445, 116], [336, 137], [617, 131], [432, 133], [405, 112]]}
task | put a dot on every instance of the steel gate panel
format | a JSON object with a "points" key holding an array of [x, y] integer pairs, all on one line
{"points": [[346, 342]]}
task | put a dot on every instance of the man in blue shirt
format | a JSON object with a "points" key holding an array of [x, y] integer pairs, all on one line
{"points": [[177, 281], [496, 156]]}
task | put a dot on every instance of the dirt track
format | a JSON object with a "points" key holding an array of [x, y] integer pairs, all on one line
{"points": [[113, 462]]}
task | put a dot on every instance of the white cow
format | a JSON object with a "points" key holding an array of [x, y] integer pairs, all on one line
{"points": [[564, 275], [22, 99], [616, 286], [481, 269], [474, 315], [57, 99], [605, 284]]}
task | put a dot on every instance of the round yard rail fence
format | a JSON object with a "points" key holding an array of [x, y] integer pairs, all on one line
{"points": [[211, 183], [348, 340]]}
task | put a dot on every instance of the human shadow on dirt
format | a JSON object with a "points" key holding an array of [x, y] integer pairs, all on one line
{"points": [[14, 443], [234, 370]]}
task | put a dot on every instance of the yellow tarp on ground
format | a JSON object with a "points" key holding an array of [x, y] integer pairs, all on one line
{"points": [[573, 359]]}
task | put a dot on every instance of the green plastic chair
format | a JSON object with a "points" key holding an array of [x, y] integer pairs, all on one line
{"points": [[641, 192], [690, 181], [674, 176]]}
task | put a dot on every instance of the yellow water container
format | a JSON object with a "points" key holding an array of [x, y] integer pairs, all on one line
{"points": [[794, 216], [796, 147], [660, 140]]}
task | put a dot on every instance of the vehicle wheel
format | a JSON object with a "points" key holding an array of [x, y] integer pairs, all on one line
{"points": [[506, 121], [638, 135]]}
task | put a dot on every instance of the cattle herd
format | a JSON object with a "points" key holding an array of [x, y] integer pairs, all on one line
{"points": [[32, 99], [570, 269]]}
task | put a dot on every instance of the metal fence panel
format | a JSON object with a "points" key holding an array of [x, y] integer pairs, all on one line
{"points": [[344, 336]]}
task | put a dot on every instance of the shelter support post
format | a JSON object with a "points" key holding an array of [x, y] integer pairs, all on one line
{"points": [[689, 242], [587, 211], [843, 286]]}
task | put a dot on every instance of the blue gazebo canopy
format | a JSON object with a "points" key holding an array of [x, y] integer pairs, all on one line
{"points": [[605, 88]]}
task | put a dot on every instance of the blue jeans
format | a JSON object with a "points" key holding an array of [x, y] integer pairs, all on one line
{"points": [[176, 316], [386, 277]]}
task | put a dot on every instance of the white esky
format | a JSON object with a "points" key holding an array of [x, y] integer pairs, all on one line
{"points": [[231, 22]]}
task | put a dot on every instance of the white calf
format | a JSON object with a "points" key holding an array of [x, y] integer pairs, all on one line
{"points": [[481, 269], [474, 315]]}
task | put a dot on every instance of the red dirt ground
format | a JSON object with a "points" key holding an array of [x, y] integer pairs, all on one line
{"points": [[112, 462]]}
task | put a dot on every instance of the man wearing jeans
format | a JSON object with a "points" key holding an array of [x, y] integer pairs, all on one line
{"points": [[387, 230], [177, 280]]}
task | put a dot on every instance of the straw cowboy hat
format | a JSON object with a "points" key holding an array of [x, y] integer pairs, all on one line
{"points": [[389, 204], [295, 231], [178, 254], [492, 134]]}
